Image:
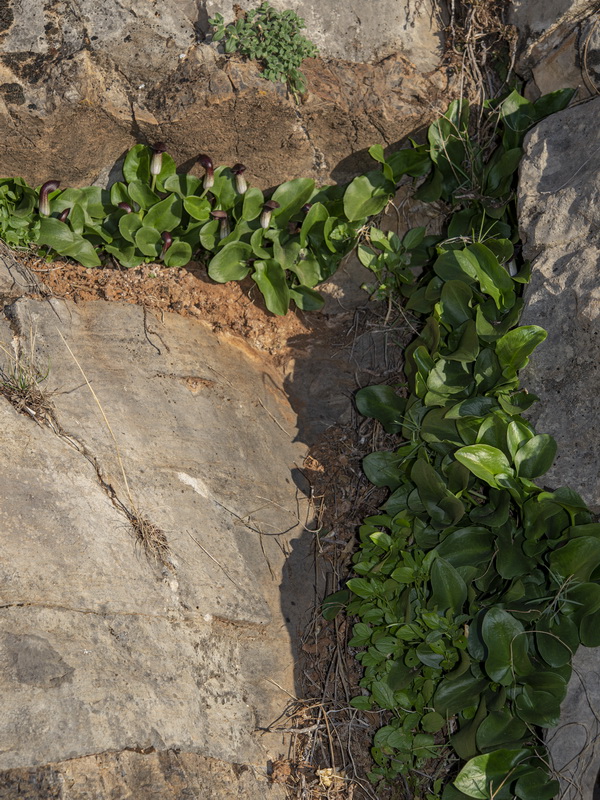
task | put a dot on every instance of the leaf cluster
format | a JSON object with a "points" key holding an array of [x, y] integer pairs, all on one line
{"points": [[273, 39], [474, 587], [287, 243], [18, 225]]}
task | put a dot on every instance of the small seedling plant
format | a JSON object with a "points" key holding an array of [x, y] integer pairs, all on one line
{"points": [[273, 39]]}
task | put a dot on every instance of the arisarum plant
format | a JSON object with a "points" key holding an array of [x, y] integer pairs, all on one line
{"points": [[240, 180], [209, 174], [46, 189]]}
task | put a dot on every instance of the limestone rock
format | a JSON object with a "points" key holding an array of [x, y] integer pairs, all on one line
{"points": [[559, 212], [120, 670], [560, 218], [560, 45], [81, 82], [361, 31]]}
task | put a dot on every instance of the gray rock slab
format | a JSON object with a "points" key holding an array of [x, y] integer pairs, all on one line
{"points": [[559, 216], [101, 648], [559, 212]]}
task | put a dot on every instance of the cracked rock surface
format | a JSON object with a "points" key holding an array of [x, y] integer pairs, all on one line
{"points": [[119, 670], [559, 204], [82, 81]]}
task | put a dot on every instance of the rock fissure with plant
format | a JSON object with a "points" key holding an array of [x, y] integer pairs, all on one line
{"points": [[474, 586]]}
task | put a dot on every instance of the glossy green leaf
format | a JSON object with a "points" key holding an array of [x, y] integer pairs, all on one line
{"points": [[499, 729], [484, 461], [166, 215], [577, 558], [183, 185], [136, 166], [514, 348], [306, 298], [383, 469], [455, 303], [197, 207], [367, 195], [506, 641], [230, 263], [535, 456], [141, 194], [148, 241], [536, 785], [178, 255], [449, 589], [481, 776], [454, 696], [270, 278], [291, 196]]}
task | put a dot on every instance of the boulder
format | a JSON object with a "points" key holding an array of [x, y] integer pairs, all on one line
{"points": [[559, 214], [81, 82]]}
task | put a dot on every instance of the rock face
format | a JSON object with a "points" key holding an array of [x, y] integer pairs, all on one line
{"points": [[560, 218], [162, 671], [560, 45], [361, 31], [560, 222], [80, 82]]}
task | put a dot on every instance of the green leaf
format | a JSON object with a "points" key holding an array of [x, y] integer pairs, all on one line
{"points": [[383, 468], [499, 729], [136, 166], [515, 346], [178, 255], [57, 235], [253, 203], [454, 696], [183, 185], [383, 695], [578, 558], [484, 461], [230, 263], [535, 456], [361, 587], [317, 214], [291, 196], [506, 641], [334, 603], [367, 195], [306, 298], [481, 776], [467, 546], [449, 589], [432, 722], [518, 115], [148, 241], [382, 403], [455, 303], [552, 102], [166, 215], [472, 407], [536, 785], [270, 278], [467, 347], [141, 194], [129, 224], [197, 207]]}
